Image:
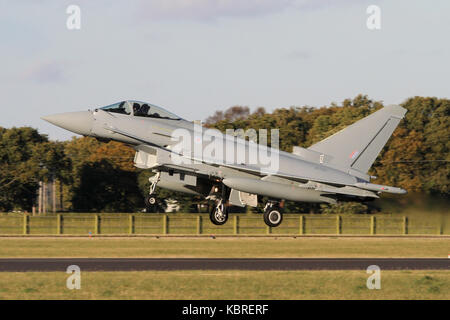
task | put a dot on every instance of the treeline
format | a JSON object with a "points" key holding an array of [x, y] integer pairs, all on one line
{"points": [[100, 177], [93, 176]]}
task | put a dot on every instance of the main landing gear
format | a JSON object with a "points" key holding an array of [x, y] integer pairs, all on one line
{"points": [[219, 213], [273, 214]]}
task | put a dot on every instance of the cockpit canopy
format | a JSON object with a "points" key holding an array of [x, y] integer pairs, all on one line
{"points": [[140, 109]]}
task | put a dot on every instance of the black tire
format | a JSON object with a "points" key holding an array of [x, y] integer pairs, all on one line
{"points": [[151, 204], [217, 219], [151, 200], [273, 216]]}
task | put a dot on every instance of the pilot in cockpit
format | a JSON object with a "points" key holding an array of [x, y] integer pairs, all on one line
{"points": [[144, 109], [136, 108]]}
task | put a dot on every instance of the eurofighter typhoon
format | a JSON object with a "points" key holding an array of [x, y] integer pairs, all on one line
{"points": [[234, 169]]}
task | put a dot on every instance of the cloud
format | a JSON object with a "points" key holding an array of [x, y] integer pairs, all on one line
{"points": [[213, 9], [46, 72]]}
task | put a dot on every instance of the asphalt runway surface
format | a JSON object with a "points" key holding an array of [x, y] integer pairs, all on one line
{"points": [[168, 264]]}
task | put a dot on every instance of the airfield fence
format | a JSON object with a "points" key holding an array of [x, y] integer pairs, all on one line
{"points": [[199, 224]]}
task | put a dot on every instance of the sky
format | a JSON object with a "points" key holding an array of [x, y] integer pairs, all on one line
{"points": [[194, 57]]}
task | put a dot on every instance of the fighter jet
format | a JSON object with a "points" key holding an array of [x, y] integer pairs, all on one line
{"points": [[236, 170]]}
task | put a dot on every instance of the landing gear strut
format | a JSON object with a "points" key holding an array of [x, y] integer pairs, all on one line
{"points": [[273, 214], [219, 213]]}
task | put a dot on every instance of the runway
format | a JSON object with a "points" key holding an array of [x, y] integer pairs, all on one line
{"points": [[168, 264]]}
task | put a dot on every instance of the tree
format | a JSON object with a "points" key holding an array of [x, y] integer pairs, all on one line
{"points": [[417, 156], [26, 158], [104, 178], [104, 187]]}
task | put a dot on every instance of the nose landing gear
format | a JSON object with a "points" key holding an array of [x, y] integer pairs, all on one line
{"points": [[151, 201]]}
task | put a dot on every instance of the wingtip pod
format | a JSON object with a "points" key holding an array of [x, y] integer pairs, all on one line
{"points": [[380, 188]]}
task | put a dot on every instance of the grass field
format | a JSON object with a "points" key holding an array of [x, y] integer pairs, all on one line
{"points": [[227, 285], [331, 247]]}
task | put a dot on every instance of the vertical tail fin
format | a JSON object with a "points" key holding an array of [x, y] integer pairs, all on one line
{"points": [[358, 145]]}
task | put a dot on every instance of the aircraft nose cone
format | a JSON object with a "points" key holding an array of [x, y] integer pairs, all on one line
{"points": [[78, 122]]}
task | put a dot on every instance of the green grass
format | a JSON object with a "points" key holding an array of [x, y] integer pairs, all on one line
{"points": [[227, 285], [224, 247]]}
